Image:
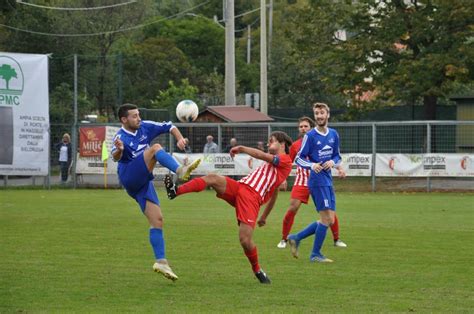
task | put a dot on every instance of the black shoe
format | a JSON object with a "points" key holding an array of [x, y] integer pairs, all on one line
{"points": [[262, 277], [170, 187]]}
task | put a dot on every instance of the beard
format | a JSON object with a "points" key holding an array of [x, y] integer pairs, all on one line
{"points": [[134, 127], [322, 122]]}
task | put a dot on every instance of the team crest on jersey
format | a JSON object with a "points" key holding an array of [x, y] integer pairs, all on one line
{"points": [[331, 140], [144, 137]]}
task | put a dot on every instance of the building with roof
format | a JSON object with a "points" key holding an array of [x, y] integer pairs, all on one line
{"points": [[237, 114]]}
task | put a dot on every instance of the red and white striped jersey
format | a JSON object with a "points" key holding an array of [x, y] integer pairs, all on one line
{"points": [[302, 175], [266, 178]]}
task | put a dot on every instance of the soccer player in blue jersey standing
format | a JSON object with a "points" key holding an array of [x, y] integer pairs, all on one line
{"points": [[136, 160], [319, 152]]}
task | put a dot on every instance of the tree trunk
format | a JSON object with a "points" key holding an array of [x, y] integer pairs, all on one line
{"points": [[429, 103]]}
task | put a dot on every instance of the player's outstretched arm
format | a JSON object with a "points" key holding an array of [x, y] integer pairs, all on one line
{"points": [[271, 203], [117, 150], [180, 142], [255, 153]]}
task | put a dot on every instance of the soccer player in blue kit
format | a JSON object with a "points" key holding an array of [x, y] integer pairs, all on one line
{"points": [[319, 152], [136, 160]]}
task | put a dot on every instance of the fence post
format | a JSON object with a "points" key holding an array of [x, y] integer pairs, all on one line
{"points": [[428, 151], [74, 127], [170, 147], [269, 127], [219, 138], [374, 154], [47, 179]]}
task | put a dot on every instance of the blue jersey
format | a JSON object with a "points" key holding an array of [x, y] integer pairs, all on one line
{"points": [[135, 143], [319, 148]]}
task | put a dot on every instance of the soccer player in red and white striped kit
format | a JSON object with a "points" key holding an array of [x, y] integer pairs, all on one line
{"points": [[300, 191], [249, 193]]}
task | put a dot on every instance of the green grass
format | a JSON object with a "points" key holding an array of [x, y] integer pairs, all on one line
{"points": [[88, 251]]}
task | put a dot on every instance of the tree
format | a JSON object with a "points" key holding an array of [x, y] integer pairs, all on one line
{"points": [[149, 66], [169, 98], [7, 73], [405, 51]]}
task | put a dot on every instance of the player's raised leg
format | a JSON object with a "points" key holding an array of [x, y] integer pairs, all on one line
{"points": [[294, 239], [157, 241], [156, 153], [217, 182]]}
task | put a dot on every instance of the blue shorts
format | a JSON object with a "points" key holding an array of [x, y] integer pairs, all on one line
{"points": [[137, 181], [323, 197]]}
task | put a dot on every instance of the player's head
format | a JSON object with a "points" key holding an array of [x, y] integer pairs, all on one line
{"points": [[279, 142], [304, 125], [321, 113], [129, 116]]}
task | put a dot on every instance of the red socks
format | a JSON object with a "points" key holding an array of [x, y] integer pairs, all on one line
{"points": [[253, 259], [287, 223], [335, 229], [195, 185]]}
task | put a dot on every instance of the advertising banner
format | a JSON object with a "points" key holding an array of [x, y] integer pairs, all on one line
{"points": [[424, 165], [399, 165], [448, 165], [89, 159], [90, 141], [24, 114], [222, 164], [357, 165], [388, 165]]}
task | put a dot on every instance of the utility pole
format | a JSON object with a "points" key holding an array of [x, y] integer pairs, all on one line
{"points": [[229, 54], [270, 30], [263, 57]]}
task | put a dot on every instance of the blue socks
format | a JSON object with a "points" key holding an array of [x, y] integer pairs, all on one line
{"points": [[306, 232], [166, 160], [320, 235], [157, 242]]}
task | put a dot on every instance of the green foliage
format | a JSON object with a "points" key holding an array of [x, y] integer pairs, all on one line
{"points": [[61, 107], [169, 98], [433, 57], [150, 66], [200, 39], [407, 253]]}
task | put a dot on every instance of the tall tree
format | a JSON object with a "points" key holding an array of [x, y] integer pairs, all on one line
{"points": [[408, 51]]}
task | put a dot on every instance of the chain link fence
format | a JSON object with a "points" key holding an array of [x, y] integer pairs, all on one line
{"points": [[414, 137]]}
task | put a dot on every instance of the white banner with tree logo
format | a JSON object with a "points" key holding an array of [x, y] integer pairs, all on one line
{"points": [[24, 114]]}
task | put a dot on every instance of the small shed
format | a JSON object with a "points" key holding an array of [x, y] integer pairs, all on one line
{"points": [[222, 114], [243, 133]]}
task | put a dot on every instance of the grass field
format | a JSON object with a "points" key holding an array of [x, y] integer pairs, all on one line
{"points": [[88, 251]]}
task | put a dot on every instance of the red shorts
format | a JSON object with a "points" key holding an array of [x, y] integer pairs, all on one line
{"points": [[300, 192], [244, 199]]}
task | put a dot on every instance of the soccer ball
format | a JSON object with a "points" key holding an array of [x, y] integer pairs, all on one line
{"points": [[187, 111]]}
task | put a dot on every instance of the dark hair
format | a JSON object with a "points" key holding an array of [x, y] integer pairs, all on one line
{"points": [[123, 110], [307, 119], [282, 137]]}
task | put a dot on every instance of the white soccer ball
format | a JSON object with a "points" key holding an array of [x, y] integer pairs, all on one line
{"points": [[187, 111]]}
